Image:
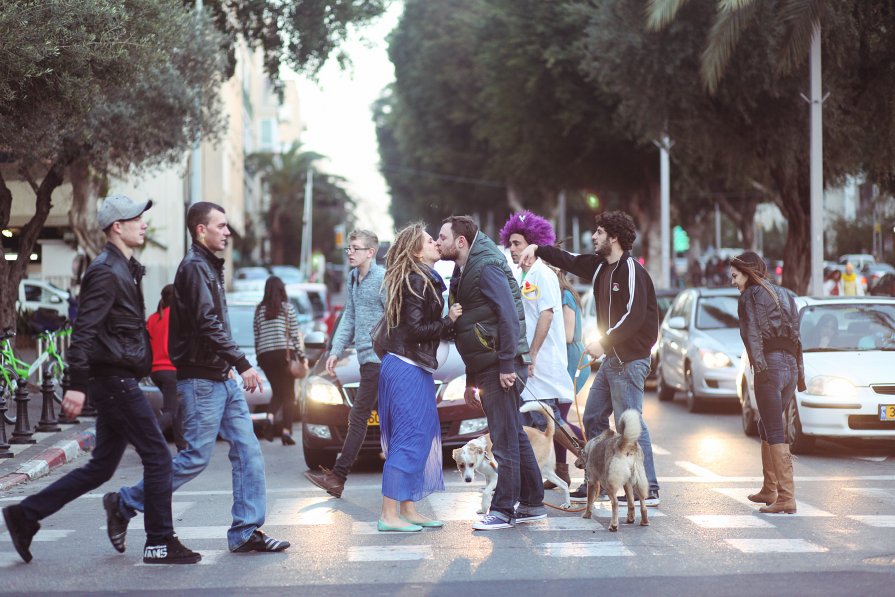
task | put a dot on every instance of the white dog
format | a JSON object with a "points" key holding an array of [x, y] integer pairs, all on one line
{"points": [[476, 457]]}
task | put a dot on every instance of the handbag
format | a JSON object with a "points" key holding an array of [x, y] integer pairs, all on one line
{"points": [[298, 367], [379, 335]]}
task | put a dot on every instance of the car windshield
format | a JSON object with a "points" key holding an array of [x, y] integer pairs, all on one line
{"points": [[717, 313], [847, 327], [242, 318], [318, 303]]}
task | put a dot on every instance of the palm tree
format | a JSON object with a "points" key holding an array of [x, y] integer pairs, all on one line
{"points": [[798, 17]]}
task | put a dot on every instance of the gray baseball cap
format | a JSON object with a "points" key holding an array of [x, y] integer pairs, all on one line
{"points": [[120, 207]]}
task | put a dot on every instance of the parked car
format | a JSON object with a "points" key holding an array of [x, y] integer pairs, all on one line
{"points": [[850, 380], [250, 279], [39, 294], [304, 310], [289, 274], [319, 299], [700, 347], [872, 273], [664, 298], [858, 260]]}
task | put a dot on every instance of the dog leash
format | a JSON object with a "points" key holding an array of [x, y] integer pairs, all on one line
{"points": [[557, 425]]}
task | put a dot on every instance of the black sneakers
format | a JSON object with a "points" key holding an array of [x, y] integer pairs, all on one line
{"points": [[169, 551], [116, 523], [258, 541], [21, 530]]}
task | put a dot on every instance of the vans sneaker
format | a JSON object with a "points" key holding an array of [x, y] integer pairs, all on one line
{"points": [[524, 515], [169, 551], [491, 523]]}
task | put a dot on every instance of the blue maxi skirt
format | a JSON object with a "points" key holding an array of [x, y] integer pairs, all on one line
{"points": [[410, 431]]}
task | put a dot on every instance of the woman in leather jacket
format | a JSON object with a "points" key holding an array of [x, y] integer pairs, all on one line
{"points": [[409, 426], [769, 326]]}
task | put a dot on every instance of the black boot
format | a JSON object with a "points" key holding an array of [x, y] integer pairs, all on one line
{"points": [[21, 530]]}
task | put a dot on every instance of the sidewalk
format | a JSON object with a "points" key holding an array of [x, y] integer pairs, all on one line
{"points": [[50, 450]]}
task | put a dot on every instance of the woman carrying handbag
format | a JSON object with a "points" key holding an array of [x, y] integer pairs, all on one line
{"points": [[280, 350]]}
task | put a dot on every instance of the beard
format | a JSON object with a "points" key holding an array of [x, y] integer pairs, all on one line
{"points": [[449, 253], [603, 249]]}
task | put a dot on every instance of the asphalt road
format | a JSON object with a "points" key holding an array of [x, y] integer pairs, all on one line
{"points": [[705, 538]]}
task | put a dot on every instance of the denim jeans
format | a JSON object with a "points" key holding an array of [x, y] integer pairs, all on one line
{"points": [[519, 478], [773, 393], [209, 409], [618, 387], [364, 401], [123, 415]]}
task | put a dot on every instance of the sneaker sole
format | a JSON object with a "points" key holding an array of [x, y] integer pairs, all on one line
{"points": [[492, 528], [190, 560], [530, 519]]}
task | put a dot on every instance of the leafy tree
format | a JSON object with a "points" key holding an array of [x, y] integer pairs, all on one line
{"points": [[115, 83], [285, 175]]}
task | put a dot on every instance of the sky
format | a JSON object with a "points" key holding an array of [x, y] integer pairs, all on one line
{"points": [[339, 124]]}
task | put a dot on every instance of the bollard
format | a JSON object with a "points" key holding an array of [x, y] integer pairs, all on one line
{"points": [[63, 419], [22, 433], [5, 452], [48, 411]]}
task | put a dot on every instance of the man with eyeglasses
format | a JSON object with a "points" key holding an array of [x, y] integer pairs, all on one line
{"points": [[364, 306]]}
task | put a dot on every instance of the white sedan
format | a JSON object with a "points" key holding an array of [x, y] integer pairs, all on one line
{"points": [[848, 346]]}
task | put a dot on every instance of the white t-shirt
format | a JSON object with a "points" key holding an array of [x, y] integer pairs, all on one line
{"points": [[540, 292]]}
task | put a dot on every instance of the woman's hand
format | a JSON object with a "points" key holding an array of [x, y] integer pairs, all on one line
{"points": [[455, 311]]}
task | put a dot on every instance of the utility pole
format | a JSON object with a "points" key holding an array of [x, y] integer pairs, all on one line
{"points": [[196, 156], [665, 208], [817, 175], [561, 217], [307, 230]]}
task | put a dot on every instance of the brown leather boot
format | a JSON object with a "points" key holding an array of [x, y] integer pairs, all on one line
{"points": [[562, 471], [768, 493], [325, 479], [786, 501]]}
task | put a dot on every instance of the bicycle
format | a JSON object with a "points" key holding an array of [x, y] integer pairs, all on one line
{"points": [[11, 370]]}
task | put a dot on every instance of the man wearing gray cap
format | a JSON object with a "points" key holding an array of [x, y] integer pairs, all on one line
{"points": [[109, 352]]}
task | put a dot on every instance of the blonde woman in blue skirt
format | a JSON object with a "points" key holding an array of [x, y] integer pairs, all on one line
{"points": [[411, 434]]}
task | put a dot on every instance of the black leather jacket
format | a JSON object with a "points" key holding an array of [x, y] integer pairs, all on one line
{"points": [[199, 340], [109, 336], [421, 326], [765, 326]]}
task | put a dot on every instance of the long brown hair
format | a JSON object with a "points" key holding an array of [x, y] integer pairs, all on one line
{"points": [[756, 270], [167, 298], [401, 260], [274, 297], [564, 284]]}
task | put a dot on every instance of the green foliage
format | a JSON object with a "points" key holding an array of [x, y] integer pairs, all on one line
{"points": [[852, 236]]}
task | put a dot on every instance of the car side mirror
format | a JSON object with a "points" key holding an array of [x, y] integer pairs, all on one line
{"points": [[677, 323]]}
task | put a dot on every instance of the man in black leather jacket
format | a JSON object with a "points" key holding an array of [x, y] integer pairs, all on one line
{"points": [[203, 351], [109, 352]]}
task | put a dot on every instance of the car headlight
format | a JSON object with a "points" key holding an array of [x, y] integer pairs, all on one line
{"points": [[324, 392], [827, 385], [455, 389], [714, 359]]}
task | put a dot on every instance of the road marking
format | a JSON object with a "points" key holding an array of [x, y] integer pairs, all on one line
{"points": [[178, 509], [725, 521], [456, 505], [204, 532], [581, 549], [697, 470], [775, 546], [301, 511], [871, 458], [879, 521], [389, 553], [46, 535], [10, 559], [364, 528], [885, 495], [660, 450], [739, 495]]}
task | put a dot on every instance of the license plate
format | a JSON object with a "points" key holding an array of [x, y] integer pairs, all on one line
{"points": [[374, 418], [887, 412]]}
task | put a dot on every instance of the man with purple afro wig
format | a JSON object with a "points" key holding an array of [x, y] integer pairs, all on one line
{"points": [[548, 378], [535, 229]]}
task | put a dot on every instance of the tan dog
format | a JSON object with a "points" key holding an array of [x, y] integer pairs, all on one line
{"points": [[614, 460], [476, 457]]}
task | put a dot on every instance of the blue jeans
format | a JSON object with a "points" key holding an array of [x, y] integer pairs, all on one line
{"points": [[519, 478], [773, 393], [123, 415], [618, 387], [212, 408]]}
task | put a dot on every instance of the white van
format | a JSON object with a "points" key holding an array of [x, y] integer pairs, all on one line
{"points": [[38, 294]]}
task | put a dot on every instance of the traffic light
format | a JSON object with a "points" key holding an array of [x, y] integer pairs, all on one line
{"points": [[340, 234], [680, 240], [592, 200]]}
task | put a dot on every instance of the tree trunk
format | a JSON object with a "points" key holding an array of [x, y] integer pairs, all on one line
{"points": [[12, 272], [793, 200], [82, 216], [742, 214]]}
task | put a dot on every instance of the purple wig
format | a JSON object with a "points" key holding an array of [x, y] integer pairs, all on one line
{"points": [[535, 229]]}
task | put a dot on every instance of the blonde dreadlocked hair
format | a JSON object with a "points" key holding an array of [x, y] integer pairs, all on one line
{"points": [[401, 261]]}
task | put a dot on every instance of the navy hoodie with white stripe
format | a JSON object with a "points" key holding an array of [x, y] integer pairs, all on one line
{"points": [[633, 325]]}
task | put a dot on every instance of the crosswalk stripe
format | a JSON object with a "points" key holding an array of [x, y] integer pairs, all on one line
{"points": [[658, 450], [456, 505], [45, 535], [739, 494], [885, 495], [724, 521], [697, 470], [878, 520], [389, 553], [581, 549], [775, 546], [301, 511]]}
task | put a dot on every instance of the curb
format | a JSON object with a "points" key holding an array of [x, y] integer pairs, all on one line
{"points": [[51, 458]]}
